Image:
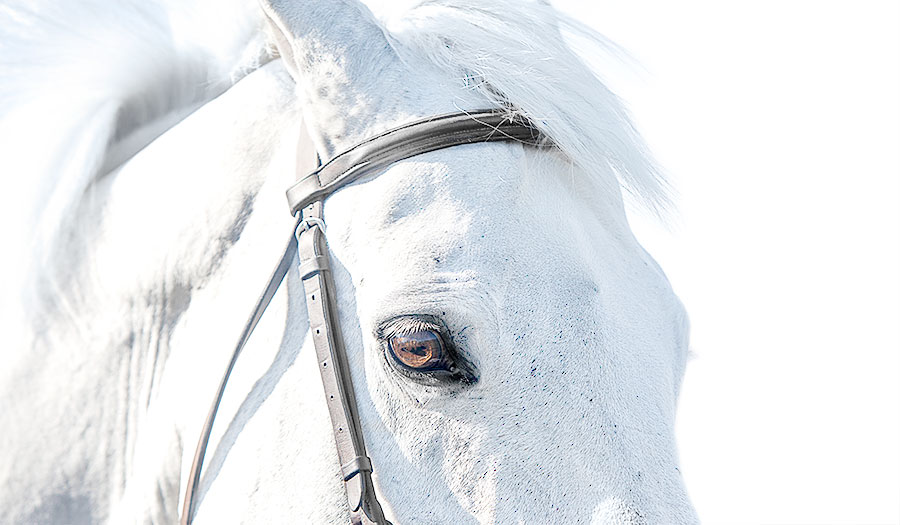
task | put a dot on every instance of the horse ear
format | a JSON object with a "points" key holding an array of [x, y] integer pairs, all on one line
{"points": [[280, 34], [338, 54], [299, 26]]}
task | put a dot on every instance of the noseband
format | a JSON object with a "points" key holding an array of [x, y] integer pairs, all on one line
{"points": [[306, 198]]}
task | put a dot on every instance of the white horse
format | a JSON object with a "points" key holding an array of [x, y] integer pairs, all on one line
{"points": [[139, 264]]}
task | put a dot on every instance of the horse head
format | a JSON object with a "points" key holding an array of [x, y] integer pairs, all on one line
{"points": [[516, 355]]}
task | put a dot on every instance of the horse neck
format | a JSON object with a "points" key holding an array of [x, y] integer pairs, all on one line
{"points": [[149, 273]]}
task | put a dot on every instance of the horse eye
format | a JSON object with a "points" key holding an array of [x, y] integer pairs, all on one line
{"points": [[421, 350]]}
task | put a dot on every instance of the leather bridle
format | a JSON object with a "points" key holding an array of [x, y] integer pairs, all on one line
{"points": [[306, 198]]}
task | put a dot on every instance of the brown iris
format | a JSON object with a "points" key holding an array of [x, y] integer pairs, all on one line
{"points": [[419, 350]]}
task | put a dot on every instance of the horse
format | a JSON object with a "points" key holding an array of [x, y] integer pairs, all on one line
{"points": [[154, 208]]}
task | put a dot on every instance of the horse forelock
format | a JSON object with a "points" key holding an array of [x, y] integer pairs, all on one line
{"points": [[514, 53]]}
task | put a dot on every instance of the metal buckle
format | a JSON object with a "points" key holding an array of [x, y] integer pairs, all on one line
{"points": [[307, 223]]}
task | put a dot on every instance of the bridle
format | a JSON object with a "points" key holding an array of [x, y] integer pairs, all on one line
{"points": [[306, 198]]}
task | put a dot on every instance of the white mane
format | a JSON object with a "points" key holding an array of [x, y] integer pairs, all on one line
{"points": [[513, 52], [84, 86]]}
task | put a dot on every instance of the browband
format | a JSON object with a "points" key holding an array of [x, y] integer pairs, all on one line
{"points": [[407, 141]]}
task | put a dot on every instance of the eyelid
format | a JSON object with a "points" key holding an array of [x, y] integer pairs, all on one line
{"points": [[409, 324]]}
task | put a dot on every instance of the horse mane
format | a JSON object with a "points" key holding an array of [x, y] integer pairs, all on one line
{"points": [[85, 85], [513, 52]]}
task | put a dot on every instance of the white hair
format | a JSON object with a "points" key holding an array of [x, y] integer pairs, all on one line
{"points": [[86, 84], [513, 52]]}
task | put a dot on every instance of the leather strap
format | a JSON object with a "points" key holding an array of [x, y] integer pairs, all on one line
{"points": [[193, 481], [407, 141], [321, 307]]}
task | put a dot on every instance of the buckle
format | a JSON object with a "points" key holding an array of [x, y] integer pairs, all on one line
{"points": [[307, 223]]}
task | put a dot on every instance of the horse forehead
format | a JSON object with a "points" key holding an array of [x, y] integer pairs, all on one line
{"points": [[439, 231], [436, 201]]}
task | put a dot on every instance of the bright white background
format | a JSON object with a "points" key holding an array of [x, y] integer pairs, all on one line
{"points": [[779, 123]]}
